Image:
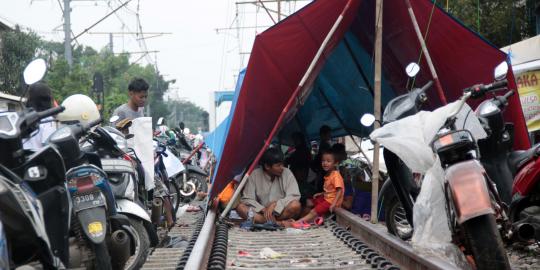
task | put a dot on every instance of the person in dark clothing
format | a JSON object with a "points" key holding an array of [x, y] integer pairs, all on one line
{"points": [[299, 163], [40, 99], [301, 153]]}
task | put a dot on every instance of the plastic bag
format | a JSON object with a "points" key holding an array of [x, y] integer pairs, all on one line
{"points": [[410, 139], [173, 165], [142, 143]]}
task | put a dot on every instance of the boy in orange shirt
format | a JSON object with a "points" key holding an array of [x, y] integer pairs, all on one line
{"points": [[334, 187]]}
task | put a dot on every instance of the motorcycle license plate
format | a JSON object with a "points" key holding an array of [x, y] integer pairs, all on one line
{"points": [[88, 200]]}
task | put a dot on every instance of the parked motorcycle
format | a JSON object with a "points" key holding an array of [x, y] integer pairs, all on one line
{"points": [[111, 146], [472, 198], [166, 194], [472, 218], [34, 208], [502, 164], [192, 179]]}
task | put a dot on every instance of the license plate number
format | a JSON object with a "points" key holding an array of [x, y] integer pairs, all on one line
{"points": [[85, 201]]}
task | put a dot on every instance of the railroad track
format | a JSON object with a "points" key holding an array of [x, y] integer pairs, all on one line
{"points": [[348, 243], [169, 258], [316, 248]]}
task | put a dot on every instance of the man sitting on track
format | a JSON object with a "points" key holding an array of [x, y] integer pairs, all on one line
{"points": [[271, 191]]}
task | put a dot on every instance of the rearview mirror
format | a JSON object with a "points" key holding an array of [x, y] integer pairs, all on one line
{"points": [[160, 121], [35, 71], [412, 69], [500, 71], [367, 119], [114, 118]]}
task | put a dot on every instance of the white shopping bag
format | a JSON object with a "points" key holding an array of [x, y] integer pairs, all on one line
{"points": [[143, 145]]}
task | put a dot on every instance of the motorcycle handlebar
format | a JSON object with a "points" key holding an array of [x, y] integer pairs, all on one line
{"points": [[496, 85], [480, 89], [92, 124], [427, 86], [509, 94], [51, 112]]}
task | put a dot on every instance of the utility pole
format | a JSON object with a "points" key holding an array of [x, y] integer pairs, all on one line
{"points": [[278, 10], [377, 108], [67, 33], [111, 42]]}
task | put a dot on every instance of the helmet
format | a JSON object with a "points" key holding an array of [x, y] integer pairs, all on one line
{"points": [[79, 109]]}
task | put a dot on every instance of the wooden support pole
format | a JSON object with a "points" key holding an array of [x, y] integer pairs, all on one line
{"points": [[425, 51], [377, 108]]}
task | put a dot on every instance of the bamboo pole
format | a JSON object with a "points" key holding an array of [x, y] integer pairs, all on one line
{"points": [[377, 108], [426, 53], [290, 102]]}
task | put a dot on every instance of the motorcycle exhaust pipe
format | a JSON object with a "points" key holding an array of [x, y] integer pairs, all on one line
{"points": [[525, 231], [119, 249], [157, 209]]}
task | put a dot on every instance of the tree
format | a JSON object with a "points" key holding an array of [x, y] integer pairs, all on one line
{"points": [[17, 50], [193, 116], [502, 22]]}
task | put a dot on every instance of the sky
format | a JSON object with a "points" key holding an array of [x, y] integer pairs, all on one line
{"points": [[199, 57]]}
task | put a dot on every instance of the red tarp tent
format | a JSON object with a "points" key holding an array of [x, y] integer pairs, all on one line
{"points": [[282, 54]]}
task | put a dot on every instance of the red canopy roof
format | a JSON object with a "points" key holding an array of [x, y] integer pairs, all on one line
{"points": [[281, 55]]}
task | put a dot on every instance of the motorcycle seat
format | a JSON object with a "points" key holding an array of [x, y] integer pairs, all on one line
{"points": [[517, 159]]}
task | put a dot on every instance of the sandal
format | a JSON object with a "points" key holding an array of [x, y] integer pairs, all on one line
{"points": [[318, 221], [301, 225]]}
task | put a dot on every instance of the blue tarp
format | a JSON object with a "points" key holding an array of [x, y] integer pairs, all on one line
{"points": [[341, 94], [222, 96], [216, 139]]}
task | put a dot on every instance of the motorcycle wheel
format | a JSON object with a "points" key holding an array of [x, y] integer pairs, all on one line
{"points": [[142, 247], [199, 181], [485, 243], [193, 180], [102, 259], [174, 192], [396, 221]]}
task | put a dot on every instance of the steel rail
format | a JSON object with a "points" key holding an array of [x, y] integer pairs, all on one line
{"points": [[201, 250], [389, 246]]}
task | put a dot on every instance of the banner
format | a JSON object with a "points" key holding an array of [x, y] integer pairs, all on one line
{"points": [[529, 93]]}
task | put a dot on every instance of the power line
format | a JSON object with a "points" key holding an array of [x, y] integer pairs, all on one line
{"points": [[102, 19]]}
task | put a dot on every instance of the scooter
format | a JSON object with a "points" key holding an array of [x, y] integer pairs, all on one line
{"points": [[111, 146], [35, 207], [522, 195], [99, 225]]}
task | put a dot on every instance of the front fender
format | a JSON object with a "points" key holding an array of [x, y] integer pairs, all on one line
{"points": [[128, 207], [467, 185], [94, 223]]}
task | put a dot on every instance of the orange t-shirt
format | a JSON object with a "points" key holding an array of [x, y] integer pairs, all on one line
{"points": [[225, 196], [331, 183]]}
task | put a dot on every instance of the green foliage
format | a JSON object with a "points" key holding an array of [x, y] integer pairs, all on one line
{"points": [[17, 50], [193, 116], [502, 22]]}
